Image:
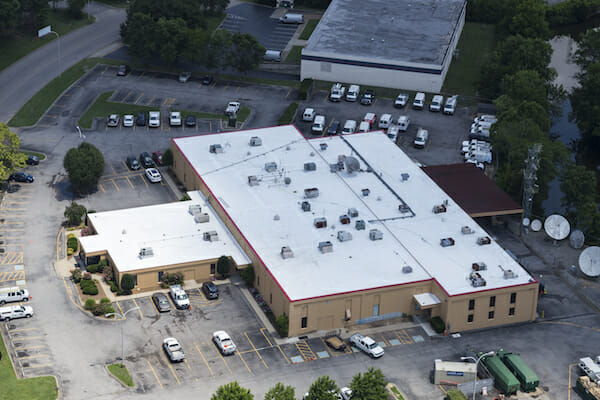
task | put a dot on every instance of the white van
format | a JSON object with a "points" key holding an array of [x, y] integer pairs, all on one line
{"points": [[485, 118], [179, 297], [403, 122], [421, 138], [308, 115], [272, 55], [385, 121], [364, 127], [436, 103], [14, 312], [11, 294], [450, 105], [318, 125], [353, 93], [292, 19], [392, 132], [154, 119], [419, 101], [349, 126]]}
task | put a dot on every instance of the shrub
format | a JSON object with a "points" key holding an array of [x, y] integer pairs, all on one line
{"points": [[92, 268], [108, 273], [76, 275], [185, 197], [70, 236], [282, 324], [74, 212], [109, 309], [104, 300], [305, 86], [87, 276], [113, 287], [89, 287], [223, 266], [167, 157], [248, 275], [70, 251], [172, 279], [438, 324], [72, 243], [103, 262], [99, 309], [127, 283], [90, 304]]}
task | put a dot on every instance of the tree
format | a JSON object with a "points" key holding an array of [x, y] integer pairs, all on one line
{"points": [[138, 32], [280, 392], [167, 157], [216, 55], [578, 185], [9, 13], [173, 34], [246, 52], [588, 49], [232, 391], [248, 275], [33, 13], [526, 85], [74, 213], [282, 323], [324, 388], [524, 17], [370, 385], [585, 100], [75, 8], [127, 283], [84, 165], [223, 266], [10, 156]]}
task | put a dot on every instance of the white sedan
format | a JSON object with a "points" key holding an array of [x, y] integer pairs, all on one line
{"points": [[153, 175], [128, 120], [175, 118], [224, 342]]}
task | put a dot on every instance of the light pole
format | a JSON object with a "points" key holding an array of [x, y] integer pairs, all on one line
{"points": [[122, 335], [58, 40], [489, 353]]}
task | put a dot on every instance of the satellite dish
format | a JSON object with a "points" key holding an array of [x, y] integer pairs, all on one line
{"points": [[557, 227], [577, 239], [526, 221], [536, 225], [351, 164], [589, 261]]}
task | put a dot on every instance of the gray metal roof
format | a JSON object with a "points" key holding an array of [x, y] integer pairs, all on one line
{"points": [[398, 31]]}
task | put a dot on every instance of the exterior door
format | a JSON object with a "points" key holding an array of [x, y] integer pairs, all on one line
{"points": [[376, 310]]}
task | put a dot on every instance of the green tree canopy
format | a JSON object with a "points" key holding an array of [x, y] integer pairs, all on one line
{"points": [[127, 283], [232, 391], [223, 265], [74, 213], [10, 156], [324, 388], [9, 15], [525, 85], [588, 49], [75, 8], [246, 52], [578, 185], [529, 19], [370, 385], [280, 392], [84, 165], [585, 100]]}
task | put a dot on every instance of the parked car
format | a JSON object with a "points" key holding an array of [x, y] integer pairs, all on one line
{"points": [[161, 302], [173, 349], [123, 70], [179, 296], [224, 342], [13, 312], [308, 115], [392, 132], [12, 294], [364, 127], [32, 160], [21, 177], [157, 157], [353, 92], [371, 118], [336, 343], [141, 119], [421, 138], [113, 120], [232, 108], [146, 160], [318, 125], [401, 100], [184, 77], [133, 163], [153, 175], [154, 119], [190, 120], [128, 120], [210, 290], [366, 344], [419, 101], [333, 128], [346, 393], [175, 118], [207, 80], [368, 97], [436, 103], [349, 126]]}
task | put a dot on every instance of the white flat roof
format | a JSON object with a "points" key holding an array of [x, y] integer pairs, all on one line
{"points": [[169, 229], [269, 215]]}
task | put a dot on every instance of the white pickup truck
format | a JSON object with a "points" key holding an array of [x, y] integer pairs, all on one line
{"points": [[232, 108], [173, 349], [367, 345]]}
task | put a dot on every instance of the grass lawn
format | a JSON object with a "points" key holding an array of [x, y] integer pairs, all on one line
{"points": [[310, 26], [33, 153], [14, 48], [121, 373], [293, 56], [42, 388], [103, 108], [288, 114], [475, 48]]}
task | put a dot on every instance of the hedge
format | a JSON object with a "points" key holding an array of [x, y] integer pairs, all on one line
{"points": [[90, 304], [304, 87], [88, 286], [438, 324], [288, 114], [92, 268], [455, 394], [72, 243]]}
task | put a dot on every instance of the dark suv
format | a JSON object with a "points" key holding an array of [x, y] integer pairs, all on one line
{"points": [[141, 119], [333, 128], [368, 97], [210, 290], [133, 163], [146, 160]]}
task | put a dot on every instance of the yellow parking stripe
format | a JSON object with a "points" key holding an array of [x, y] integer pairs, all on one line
{"points": [[305, 350], [139, 309], [115, 183], [28, 348], [120, 309], [222, 358], [262, 330], [130, 184], [21, 330], [288, 93], [38, 366], [244, 361], [152, 301], [283, 354], [403, 336], [101, 188], [154, 372], [36, 356], [170, 367], [28, 338], [204, 359], [256, 351], [138, 99]]}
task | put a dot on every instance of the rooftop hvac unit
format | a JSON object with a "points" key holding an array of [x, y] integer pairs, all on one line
{"points": [[321, 222], [335, 167], [407, 269], [403, 208], [466, 230], [311, 193], [344, 219], [375, 234], [360, 225], [310, 166], [439, 209], [255, 141], [405, 176], [286, 252], [323, 146], [194, 209], [216, 148], [483, 240], [344, 236], [271, 167], [447, 242], [201, 218], [211, 236], [479, 266], [326, 247], [476, 279], [365, 192], [353, 212], [146, 252], [253, 180], [305, 206]]}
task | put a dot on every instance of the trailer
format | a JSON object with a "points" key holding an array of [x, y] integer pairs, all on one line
{"points": [[529, 380], [504, 379], [587, 388]]}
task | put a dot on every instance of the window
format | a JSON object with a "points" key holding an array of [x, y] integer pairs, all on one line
{"points": [[470, 318], [271, 298], [258, 281], [471, 304], [491, 315], [304, 322], [213, 267], [513, 298], [376, 310], [492, 301], [511, 311], [160, 276]]}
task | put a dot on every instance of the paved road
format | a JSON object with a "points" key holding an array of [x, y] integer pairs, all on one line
{"points": [[27, 76]]}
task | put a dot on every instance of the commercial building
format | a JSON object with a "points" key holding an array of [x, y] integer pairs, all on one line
{"points": [[346, 230], [405, 44]]}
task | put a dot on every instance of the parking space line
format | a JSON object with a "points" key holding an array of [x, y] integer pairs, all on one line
{"points": [[36, 356], [154, 305], [244, 361], [226, 86], [262, 330], [139, 309], [238, 89], [214, 84], [151, 100], [130, 184], [38, 366], [305, 350], [170, 367], [385, 341], [28, 348], [283, 354], [188, 365], [142, 74], [222, 358], [21, 330], [113, 168], [403, 336], [256, 351], [288, 93], [332, 353], [154, 372], [29, 338], [212, 374], [115, 183], [120, 309], [101, 188]]}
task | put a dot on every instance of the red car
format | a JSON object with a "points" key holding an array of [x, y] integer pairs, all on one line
{"points": [[157, 157]]}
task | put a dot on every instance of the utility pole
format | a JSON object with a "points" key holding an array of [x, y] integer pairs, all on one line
{"points": [[530, 187]]}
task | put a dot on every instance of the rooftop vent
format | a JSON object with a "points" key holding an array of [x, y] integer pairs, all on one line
{"points": [[311, 193], [375, 234], [336, 167], [447, 242], [326, 247], [310, 166], [305, 206], [201, 218], [403, 208], [344, 236], [360, 225], [194, 209], [407, 269], [211, 236], [323, 146], [351, 164], [271, 167], [286, 252], [146, 252], [344, 219], [466, 230], [508, 273], [479, 266], [276, 217], [476, 279], [253, 180], [216, 148], [441, 208], [255, 141], [320, 222], [353, 212], [287, 180], [483, 240], [405, 176], [365, 192]]}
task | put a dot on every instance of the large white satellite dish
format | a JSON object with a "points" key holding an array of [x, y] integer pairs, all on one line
{"points": [[536, 225], [589, 261], [557, 227], [526, 221], [577, 239]]}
